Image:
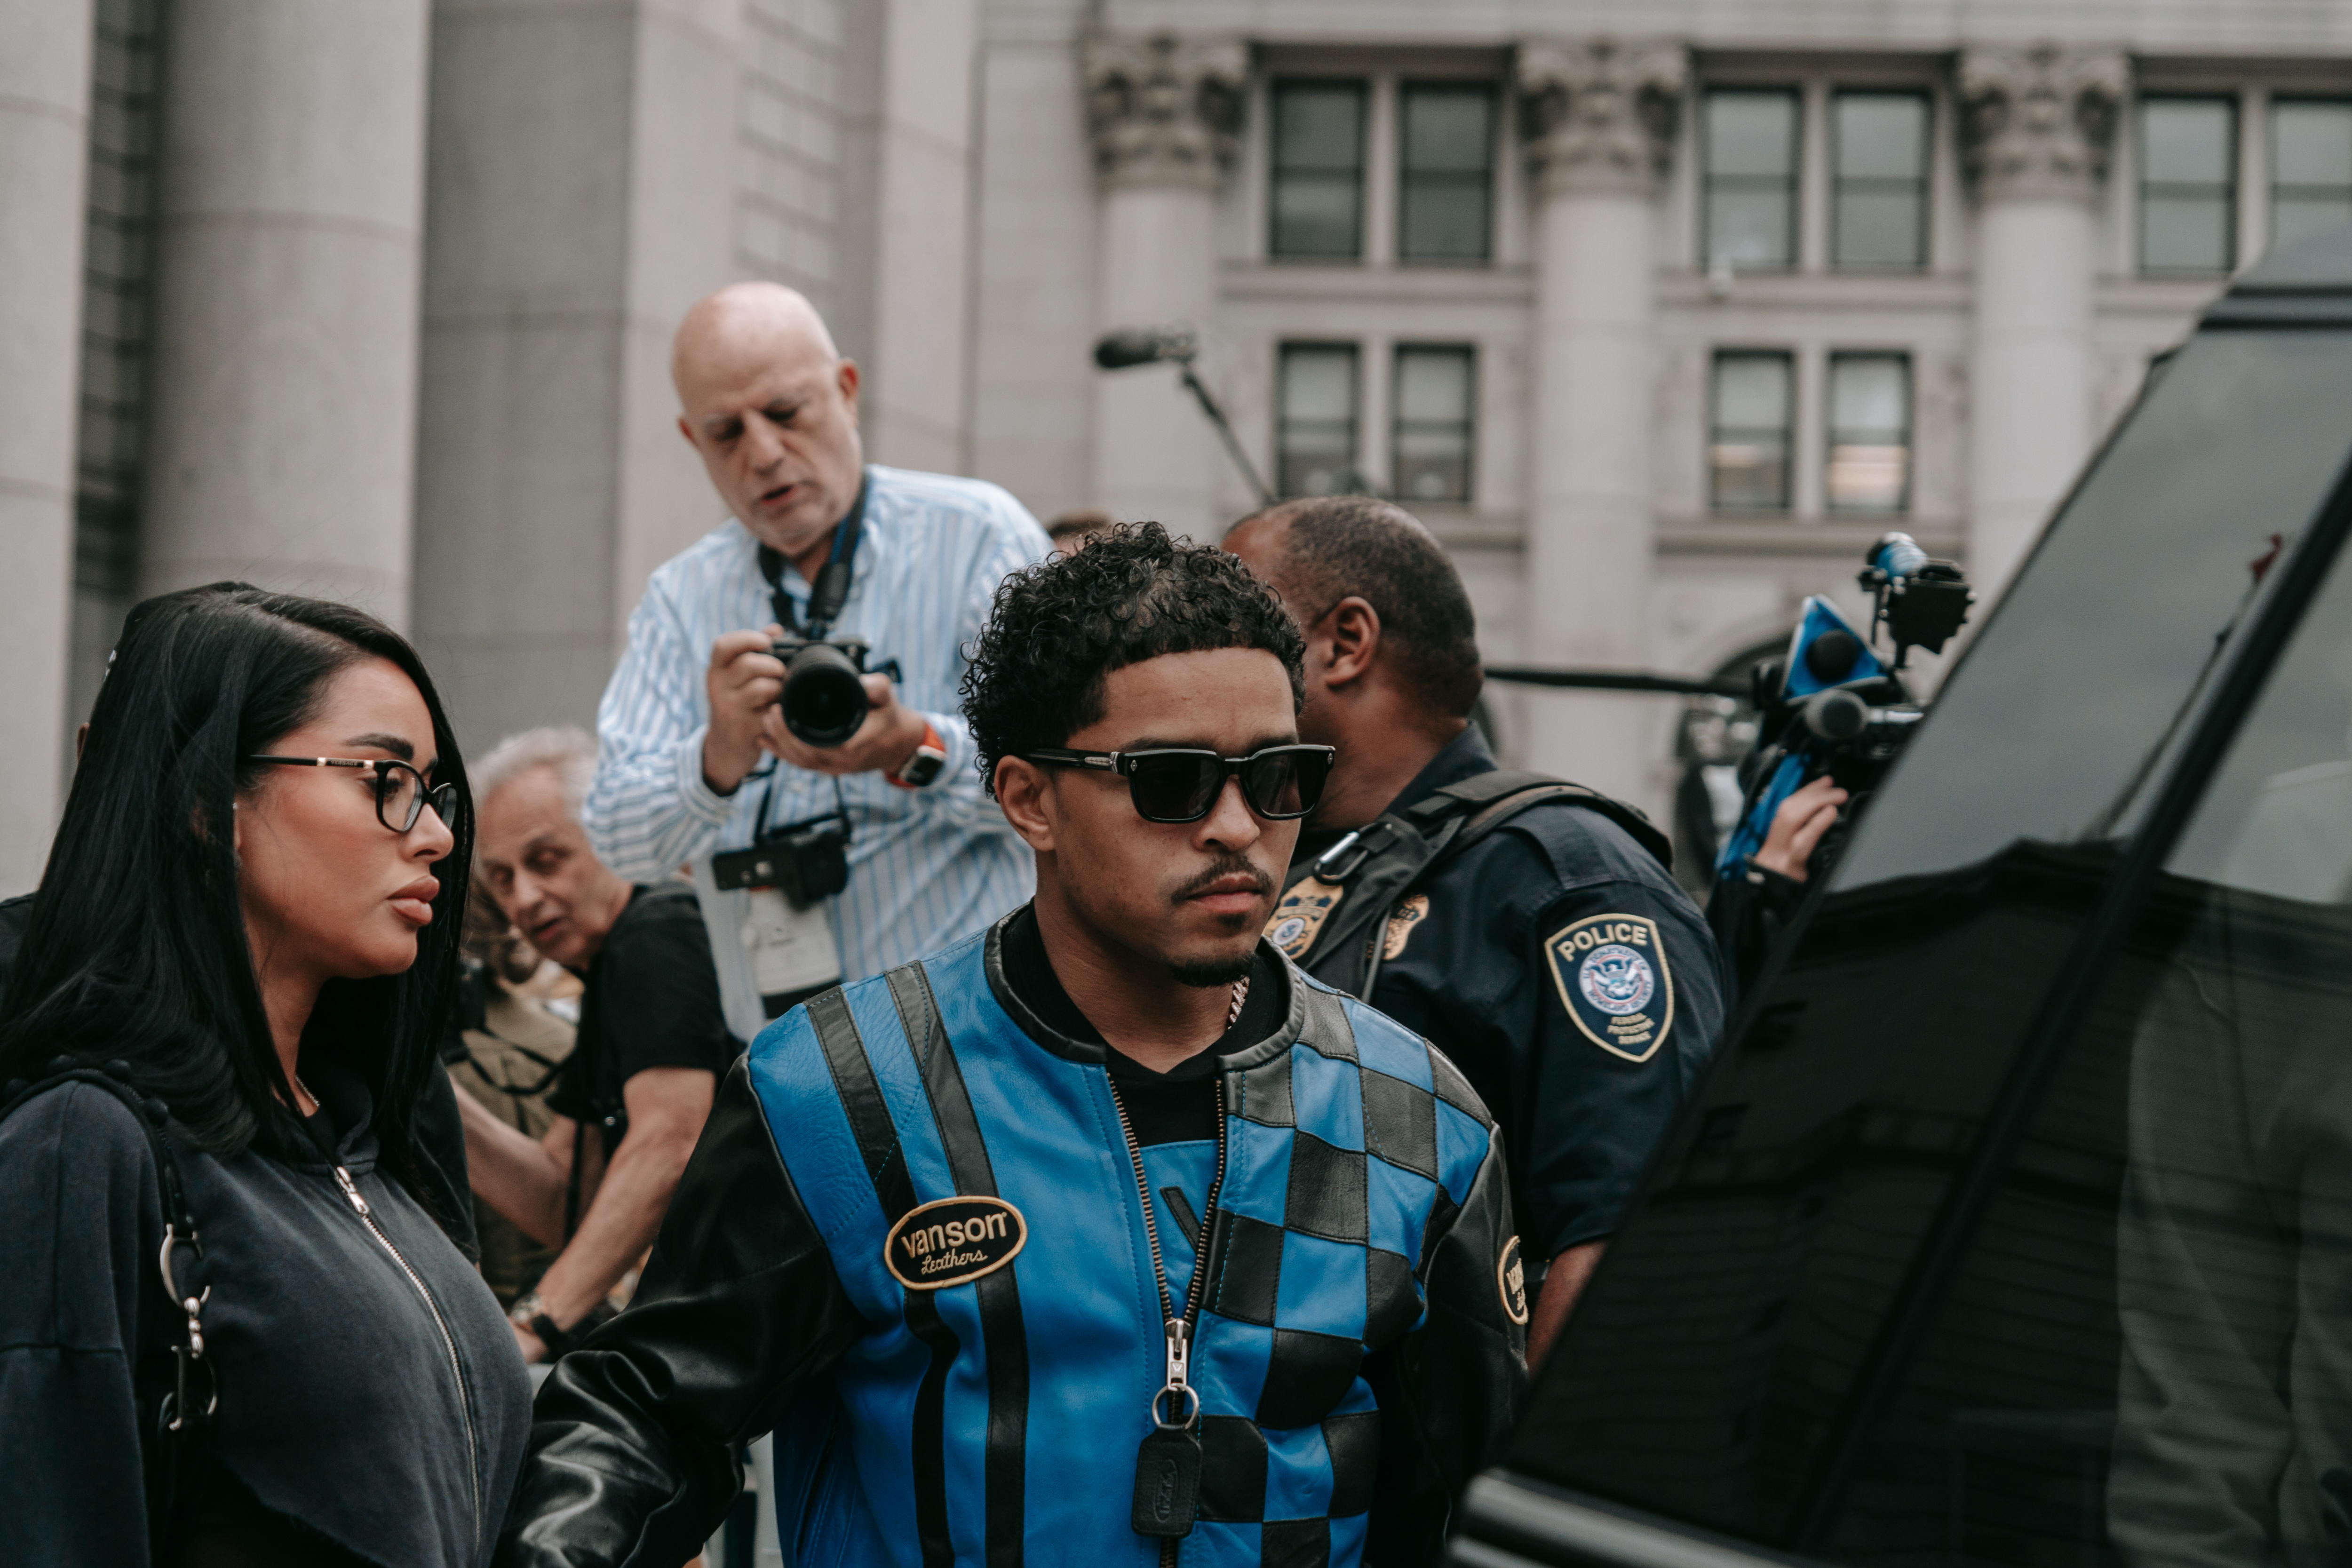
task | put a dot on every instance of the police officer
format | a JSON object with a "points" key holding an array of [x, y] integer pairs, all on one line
{"points": [[1528, 927], [1101, 1231]]}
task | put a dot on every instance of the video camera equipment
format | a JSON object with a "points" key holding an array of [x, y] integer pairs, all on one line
{"points": [[1830, 706]]}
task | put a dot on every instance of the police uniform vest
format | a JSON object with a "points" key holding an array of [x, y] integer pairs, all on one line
{"points": [[1335, 911]]}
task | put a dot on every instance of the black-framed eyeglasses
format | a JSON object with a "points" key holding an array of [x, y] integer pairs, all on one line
{"points": [[1182, 784], [401, 793]]}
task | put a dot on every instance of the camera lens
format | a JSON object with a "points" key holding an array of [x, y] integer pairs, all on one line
{"points": [[825, 698]]}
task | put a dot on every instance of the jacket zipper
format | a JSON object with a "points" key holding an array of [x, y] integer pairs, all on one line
{"points": [[448, 1340], [1178, 1329]]}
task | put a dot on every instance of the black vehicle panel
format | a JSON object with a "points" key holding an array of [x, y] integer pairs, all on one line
{"points": [[1866, 1309]]}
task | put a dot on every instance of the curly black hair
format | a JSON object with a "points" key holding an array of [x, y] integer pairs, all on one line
{"points": [[1059, 628]]}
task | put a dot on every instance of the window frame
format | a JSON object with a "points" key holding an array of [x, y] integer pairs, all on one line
{"points": [[1284, 351], [1715, 430], [1468, 354], [1710, 182], [2269, 116], [1830, 427], [1277, 172], [2142, 186], [1465, 87], [1925, 181]]}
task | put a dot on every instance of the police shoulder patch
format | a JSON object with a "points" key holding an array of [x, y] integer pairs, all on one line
{"points": [[1299, 915], [1511, 1279], [949, 1241], [1613, 978]]}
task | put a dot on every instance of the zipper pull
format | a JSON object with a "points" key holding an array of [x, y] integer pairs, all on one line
{"points": [[351, 1191], [1180, 1354]]}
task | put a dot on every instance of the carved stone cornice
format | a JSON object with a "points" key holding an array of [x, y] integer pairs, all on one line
{"points": [[1164, 109], [1600, 113], [2037, 119]]}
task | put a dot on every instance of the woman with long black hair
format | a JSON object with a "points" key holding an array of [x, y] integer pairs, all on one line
{"points": [[234, 1326]]}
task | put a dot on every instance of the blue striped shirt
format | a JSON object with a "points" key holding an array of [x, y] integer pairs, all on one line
{"points": [[927, 867]]}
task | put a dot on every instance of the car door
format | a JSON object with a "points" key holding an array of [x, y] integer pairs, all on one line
{"points": [[2015, 1224]]}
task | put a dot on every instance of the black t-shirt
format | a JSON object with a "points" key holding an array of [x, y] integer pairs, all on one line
{"points": [[1179, 1105], [651, 1000]]}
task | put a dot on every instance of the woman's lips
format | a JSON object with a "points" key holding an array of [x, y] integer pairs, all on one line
{"points": [[415, 902]]}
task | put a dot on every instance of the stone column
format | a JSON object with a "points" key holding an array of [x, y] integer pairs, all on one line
{"points": [[1600, 117], [292, 161], [2037, 122], [44, 126], [1165, 111]]}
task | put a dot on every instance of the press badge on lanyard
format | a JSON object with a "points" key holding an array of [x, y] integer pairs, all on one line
{"points": [[790, 949]]}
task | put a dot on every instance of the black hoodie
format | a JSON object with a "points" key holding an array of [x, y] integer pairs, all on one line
{"points": [[370, 1389]]}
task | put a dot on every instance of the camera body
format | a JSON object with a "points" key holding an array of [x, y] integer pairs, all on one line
{"points": [[825, 699], [806, 862]]}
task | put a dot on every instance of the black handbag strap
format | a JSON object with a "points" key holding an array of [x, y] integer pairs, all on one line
{"points": [[185, 1409]]}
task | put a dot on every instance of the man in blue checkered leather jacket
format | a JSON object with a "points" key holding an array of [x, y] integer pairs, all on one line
{"points": [[1106, 1237]]}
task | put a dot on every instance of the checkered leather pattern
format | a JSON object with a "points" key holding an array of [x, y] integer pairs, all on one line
{"points": [[1347, 1157]]}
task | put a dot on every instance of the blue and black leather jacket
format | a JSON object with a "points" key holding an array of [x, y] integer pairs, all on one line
{"points": [[918, 1241]]}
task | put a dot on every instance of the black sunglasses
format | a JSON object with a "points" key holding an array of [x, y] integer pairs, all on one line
{"points": [[400, 789], [1180, 784]]}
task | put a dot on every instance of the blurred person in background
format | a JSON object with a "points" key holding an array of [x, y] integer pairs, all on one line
{"points": [[226, 1005], [1070, 530], [651, 1044], [696, 757], [517, 1014], [1531, 928]]}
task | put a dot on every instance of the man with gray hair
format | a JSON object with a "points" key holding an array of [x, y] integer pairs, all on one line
{"points": [[652, 1044], [828, 858]]}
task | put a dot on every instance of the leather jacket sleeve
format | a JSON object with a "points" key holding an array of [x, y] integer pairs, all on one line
{"points": [[631, 1459], [1450, 1390]]}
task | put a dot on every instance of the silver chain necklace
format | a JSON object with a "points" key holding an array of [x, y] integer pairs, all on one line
{"points": [[1241, 998]]}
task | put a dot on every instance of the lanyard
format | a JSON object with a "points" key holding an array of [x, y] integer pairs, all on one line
{"points": [[831, 589]]}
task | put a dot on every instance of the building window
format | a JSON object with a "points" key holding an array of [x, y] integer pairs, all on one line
{"points": [[1318, 169], [1878, 149], [2187, 184], [1430, 444], [1314, 427], [2311, 166], [1751, 180], [1446, 171], [1869, 434], [1748, 438]]}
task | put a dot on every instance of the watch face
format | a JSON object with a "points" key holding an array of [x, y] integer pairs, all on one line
{"points": [[922, 767]]}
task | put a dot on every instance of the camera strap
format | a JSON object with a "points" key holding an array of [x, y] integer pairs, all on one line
{"points": [[831, 589]]}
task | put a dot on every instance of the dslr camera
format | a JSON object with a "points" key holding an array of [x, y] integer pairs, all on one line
{"points": [[825, 689]]}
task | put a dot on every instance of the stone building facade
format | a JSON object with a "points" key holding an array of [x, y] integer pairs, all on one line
{"points": [[1658, 312]]}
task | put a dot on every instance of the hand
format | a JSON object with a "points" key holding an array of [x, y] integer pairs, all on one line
{"points": [[743, 683], [534, 1349], [1797, 826], [883, 743]]}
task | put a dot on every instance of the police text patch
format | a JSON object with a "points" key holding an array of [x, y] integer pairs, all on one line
{"points": [[1612, 979], [953, 1240], [1300, 914]]}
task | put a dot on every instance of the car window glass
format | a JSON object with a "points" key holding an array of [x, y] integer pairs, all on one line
{"points": [[2080, 673], [2144, 1356]]}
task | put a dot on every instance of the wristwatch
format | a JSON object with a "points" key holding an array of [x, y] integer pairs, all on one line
{"points": [[920, 769]]}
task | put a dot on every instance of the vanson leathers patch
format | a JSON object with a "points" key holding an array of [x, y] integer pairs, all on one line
{"points": [[1612, 979], [953, 1241]]}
